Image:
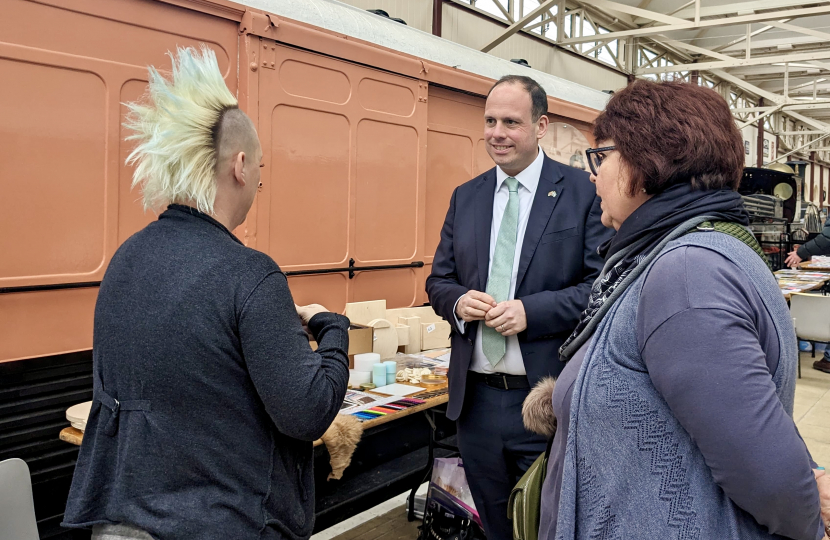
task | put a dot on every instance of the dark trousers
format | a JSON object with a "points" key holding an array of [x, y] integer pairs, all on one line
{"points": [[496, 450]]}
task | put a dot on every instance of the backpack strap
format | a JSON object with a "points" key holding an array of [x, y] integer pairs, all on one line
{"points": [[735, 230]]}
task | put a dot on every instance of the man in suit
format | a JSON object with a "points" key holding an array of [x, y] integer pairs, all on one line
{"points": [[512, 274]]}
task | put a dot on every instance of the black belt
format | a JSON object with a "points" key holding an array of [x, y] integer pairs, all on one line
{"points": [[501, 380]]}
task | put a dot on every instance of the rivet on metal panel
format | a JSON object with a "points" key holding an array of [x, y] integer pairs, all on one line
{"points": [[423, 91], [269, 54], [253, 66]]}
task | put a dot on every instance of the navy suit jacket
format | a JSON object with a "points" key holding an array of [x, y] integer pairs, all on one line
{"points": [[557, 266]]}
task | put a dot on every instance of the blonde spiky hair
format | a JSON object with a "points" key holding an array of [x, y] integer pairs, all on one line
{"points": [[176, 131]]}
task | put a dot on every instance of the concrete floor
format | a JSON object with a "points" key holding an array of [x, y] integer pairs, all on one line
{"points": [[390, 526], [812, 409], [811, 414]]}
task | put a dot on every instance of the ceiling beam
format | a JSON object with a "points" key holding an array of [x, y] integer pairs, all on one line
{"points": [[777, 70], [521, 23], [724, 21], [600, 45], [775, 98], [809, 85], [807, 107], [623, 22], [810, 121], [814, 141], [630, 10], [503, 11], [743, 38], [642, 21], [787, 107], [663, 40], [760, 117], [735, 62], [743, 7], [785, 39], [740, 83], [801, 30]]}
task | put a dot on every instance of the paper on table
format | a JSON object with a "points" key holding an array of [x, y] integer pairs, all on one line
{"points": [[360, 401], [398, 390]]}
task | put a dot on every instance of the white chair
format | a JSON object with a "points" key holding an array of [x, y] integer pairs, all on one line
{"points": [[811, 319], [17, 507]]}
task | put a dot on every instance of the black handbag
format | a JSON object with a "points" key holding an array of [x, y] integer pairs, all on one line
{"points": [[441, 524]]}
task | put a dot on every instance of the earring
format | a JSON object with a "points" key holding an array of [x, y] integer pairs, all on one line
{"points": [[643, 190]]}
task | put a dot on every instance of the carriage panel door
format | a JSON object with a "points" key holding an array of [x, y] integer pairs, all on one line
{"points": [[455, 154], [342, 179], [66, 203]]}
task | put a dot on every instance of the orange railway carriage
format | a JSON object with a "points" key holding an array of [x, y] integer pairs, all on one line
{"points": [[366, 130]]}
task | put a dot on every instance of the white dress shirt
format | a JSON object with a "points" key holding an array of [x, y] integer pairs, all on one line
{"points": [[528, 179]]}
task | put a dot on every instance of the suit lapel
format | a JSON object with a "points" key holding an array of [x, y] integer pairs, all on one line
{"points": [[540, 212], [483, 218]]}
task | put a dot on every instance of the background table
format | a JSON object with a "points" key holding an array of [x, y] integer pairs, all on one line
{"points": [[793, 281]]}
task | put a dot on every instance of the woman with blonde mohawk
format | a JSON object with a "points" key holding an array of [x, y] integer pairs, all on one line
{"points": [[206, 394]]}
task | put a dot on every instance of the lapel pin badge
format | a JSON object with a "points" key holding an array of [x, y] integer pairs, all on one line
{"points": [[551, 194]]}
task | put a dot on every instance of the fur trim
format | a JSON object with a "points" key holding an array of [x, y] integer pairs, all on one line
{"points": [[537, 410], [341, 439]]}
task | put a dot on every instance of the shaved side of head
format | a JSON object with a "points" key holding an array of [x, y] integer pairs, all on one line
{"points": [[234, 133]]}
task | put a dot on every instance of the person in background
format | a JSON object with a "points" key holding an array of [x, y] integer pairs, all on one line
{"points": [[674, 411], [512, 272], [820, 245], [207, 396]]}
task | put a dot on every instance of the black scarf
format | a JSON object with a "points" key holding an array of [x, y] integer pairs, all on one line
{"points": [[644, 229]]}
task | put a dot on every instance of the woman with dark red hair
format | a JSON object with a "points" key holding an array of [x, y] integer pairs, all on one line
{"points": [[675, 408]]}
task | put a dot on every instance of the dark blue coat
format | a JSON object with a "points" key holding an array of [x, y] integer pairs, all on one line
{"points": [[207, 395], [557, 267]]}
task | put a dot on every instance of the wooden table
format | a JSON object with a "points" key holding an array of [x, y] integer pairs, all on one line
{"points": [[799, 281], [430, 403], [76, 436], [820, 266]]}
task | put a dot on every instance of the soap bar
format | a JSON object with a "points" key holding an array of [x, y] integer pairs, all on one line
{"points": [[356, 378], [365, 361], [379, 374], [391, 371]]}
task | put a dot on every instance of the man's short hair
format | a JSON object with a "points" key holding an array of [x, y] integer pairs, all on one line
{"points": [[538, 96]]}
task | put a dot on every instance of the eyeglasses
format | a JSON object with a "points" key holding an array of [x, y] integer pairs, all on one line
{"points": [[596, 156]]}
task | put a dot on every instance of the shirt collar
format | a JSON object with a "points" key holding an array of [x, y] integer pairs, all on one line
{"points": [[194, 213], [529, 178]]}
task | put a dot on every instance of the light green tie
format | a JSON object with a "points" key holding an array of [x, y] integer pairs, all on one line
{"points": [[498, 284]]}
